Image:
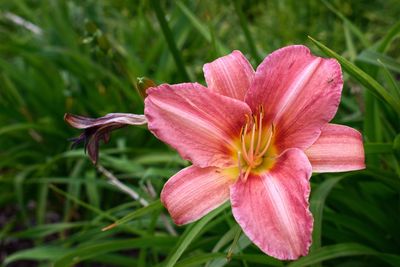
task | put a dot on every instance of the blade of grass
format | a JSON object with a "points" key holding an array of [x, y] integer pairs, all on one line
{"points": [[197, 260], [92, 189], [372, 57], [196, 23], [385, 42], [73, 188], [83, 204], [47, 229], [332, 252], [349, 43], [378, 148], [37, 253], [42, 203], [169, 37], [156, 205], [317, 204], [189, 235], [99, 248], [356, 31], [393, 84], [243, 24]]}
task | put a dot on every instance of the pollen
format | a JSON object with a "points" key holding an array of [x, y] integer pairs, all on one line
{"points": [[256, 151]]}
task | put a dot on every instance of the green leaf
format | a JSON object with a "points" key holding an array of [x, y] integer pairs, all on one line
{"points": [[238, 4], [169, 37], [38, 254], [241, 245], [349, 42], [317, 204], [378, 148], [190, 234], [392, 83], [200, 259], [198, 25], [333, 252], [82, 203], [389, 37], [367, 81], [99, 248], [353, 28], [47, 229], [396, 143], [259, 258], [253, 258], [373, 58], [156, 205]]}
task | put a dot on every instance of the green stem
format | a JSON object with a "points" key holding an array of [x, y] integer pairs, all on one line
{"points": [[170, 39], [246, 31]]}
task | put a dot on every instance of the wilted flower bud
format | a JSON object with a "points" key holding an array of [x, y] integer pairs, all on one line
{"points": [[100, 129]]}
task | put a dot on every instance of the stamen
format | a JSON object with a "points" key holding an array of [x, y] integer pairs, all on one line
{"points": [[244, 179], [261, 110], [255, 121], [252, 152], [243, 141], [247, 119], [271, 133], [251, 149], [239, 164], [259, 131]]}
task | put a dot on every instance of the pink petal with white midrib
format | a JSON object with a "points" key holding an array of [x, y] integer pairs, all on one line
{"points": [[230, 75], [194, 192], [339, 148], [272, 208], [198, 123], [300, 94]]}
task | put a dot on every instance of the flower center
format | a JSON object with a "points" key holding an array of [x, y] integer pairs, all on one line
{"points": [[256, 149]]}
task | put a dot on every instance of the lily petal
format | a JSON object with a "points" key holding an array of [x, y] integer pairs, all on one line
{"points": [[194, 192], [199, 123], [272, 208], [300, 93], [230, 75], [339, 148]]}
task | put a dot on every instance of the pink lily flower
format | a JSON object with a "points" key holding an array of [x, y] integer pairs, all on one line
{"points": [[254, 138]]}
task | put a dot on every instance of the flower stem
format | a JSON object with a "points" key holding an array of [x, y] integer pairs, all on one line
{"points": [[246, 31], [170, 39]]}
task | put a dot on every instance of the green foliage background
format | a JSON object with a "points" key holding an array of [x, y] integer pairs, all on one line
{"points": [[85, 57]]}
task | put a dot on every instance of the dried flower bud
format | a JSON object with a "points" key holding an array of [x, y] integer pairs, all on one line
{"points": [[100, 129], [143, 84]]}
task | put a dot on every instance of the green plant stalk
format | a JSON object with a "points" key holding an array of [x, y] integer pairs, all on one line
{"points": [[170, 39], [246, 31]]}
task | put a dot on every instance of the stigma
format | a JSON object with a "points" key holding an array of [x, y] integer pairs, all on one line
{"points": [[255, 145]]}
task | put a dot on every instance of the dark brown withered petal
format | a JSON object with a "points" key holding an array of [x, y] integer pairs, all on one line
{"points": [[98, 129]]}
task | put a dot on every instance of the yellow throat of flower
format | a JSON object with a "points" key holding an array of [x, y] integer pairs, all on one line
{"points": [[256, 151]]}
